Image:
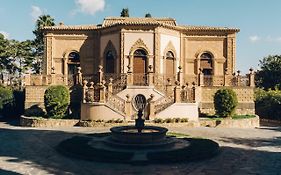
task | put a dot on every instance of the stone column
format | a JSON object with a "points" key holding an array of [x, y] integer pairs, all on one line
{"points": [[110, 87], [102, 92], [85, 88], [100, 74], [180, 76], [226, 78], [53, 76], [200, 78], [196, 93], [151, 107], [130, 77], [150, 76], [251, 78], [169, 87], [128, 107], [238, 78], [78, 77], [177, 91]]}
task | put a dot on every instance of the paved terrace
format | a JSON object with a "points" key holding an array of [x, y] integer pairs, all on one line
{"points": [[243, 151]]}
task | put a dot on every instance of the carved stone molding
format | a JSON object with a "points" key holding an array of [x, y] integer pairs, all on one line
{"points": [[170, 47], [139, 44]]}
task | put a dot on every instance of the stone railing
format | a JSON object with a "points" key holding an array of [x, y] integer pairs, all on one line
{"points": [[117, 81], [163, 103], [117, 103], [187, 94], [39, 80], [140, 79]]}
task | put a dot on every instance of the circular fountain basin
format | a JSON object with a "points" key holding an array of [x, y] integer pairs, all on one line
{"points": [[130, 135]]}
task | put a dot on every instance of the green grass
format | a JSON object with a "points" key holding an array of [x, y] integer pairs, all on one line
{"points": [[243, 116], [235, 117], [177, 135]]}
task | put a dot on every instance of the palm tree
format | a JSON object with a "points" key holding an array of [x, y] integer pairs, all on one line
{"points": [[41, 22]]}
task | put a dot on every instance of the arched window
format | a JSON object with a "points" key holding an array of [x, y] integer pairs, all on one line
{"points": [[73, 62], [206, 63], [110, 64], [74, 57], [140, 53], [170, 60]]}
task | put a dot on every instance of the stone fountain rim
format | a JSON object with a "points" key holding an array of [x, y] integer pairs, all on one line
{"points": [[119, 129]]}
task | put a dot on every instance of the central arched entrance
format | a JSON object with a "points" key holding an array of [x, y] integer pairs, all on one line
{"points": [[206, 64], [73, 64], [140, 67]]}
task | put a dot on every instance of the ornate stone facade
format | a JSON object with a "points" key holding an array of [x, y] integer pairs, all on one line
{"points": [[201, 59], [156, 36]]}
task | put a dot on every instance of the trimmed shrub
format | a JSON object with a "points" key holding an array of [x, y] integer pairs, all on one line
{"points": [[34, 111], [56, 101], [7, 101], [225, 102], [268, 104]]}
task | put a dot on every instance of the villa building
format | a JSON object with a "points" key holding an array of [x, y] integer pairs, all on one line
{"points": [[178, 68]]}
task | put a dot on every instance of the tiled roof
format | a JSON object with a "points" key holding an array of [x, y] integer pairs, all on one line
{"points": [[71, 27], [163, 22], [202, 28], [109, 21]]}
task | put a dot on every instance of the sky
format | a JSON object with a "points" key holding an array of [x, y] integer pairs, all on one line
{"points": [[258, 20]]}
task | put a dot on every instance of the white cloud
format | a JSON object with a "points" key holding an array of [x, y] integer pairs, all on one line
{"points": [[90, 6], [254, 38], [35, 12], [6, 34], [278, 39], [273, 39]]}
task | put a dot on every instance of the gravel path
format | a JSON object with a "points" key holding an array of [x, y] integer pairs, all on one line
{"points": [[243, 151]]}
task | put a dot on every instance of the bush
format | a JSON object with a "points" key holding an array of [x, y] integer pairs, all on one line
{"points": [[7, 101], [56, 101], [34, 111], [19, 96], [225, 102], [268, 104]]}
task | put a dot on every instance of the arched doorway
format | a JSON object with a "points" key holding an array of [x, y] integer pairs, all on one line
{"points": [[72, 64], [140, 67], [109, 62], [206, 64], [170, 64]]}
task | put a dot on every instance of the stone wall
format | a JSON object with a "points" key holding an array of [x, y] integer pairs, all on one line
{"points": [[47, 123], [231, 123], [245, 97], [34, 95]]}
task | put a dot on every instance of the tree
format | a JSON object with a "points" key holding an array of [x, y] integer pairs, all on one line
{"points": [[42, 21], [269, 75], [4, 44], [148, 15], [21, 56], [125, 12]]}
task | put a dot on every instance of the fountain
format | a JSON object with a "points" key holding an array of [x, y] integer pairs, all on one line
{"points": [[139, 135], [138, 144]]}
